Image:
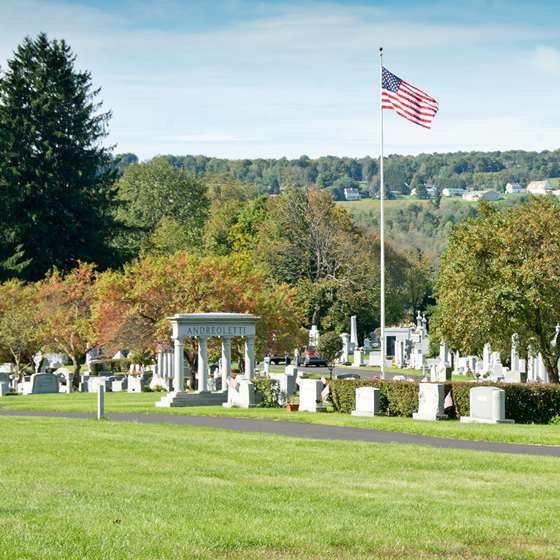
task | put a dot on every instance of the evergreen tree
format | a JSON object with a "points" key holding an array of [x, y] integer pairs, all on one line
{"points": [[55, 177]]}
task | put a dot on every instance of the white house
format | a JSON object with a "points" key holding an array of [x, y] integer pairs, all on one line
{"points": [[539, 187], [453, 192], [514, 188], [352, 194], [482, 195]]}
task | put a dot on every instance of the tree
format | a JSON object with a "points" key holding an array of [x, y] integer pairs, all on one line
{"points": [[65, 310], [500, 276], [162, 208], [330, 347], [55, 176], [133, 305], [18, 323]]}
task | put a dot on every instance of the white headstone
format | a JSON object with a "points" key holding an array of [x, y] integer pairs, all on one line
{"points": [[487, 406], [345, 355], [430, 402], [135, 384], [310, 395], [119, 385], [314, 336], [353, 332], [367, 401], [358, 358], [241, 393], [440, 373], [486, 357]]}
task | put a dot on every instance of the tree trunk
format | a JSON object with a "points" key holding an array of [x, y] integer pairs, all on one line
{"points": [[76, 376], [550, 360]]}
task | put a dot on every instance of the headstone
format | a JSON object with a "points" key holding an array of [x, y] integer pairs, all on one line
{"points": [[496, 367], [135, 384], [367, 401], [367, 344], [158, 383], [515, 353], [440, 373], [95, 381], [286, 386], [486, 357], [487, 406], [444, 354], [353, 333], [42, 383], [358, 358], [241, 393], [345, 355], [119, 385], [291, 370], [310, 395], [4, 388], [314, 336], [430, 402]]}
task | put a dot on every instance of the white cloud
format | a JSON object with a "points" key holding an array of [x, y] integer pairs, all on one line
{"points": [[547, 59]]}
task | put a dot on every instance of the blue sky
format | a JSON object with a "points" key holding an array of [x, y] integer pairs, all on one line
{"points": [[283, 78]]}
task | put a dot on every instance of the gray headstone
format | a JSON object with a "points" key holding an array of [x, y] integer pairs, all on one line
{"points": [[42, 383], [487, 406]]}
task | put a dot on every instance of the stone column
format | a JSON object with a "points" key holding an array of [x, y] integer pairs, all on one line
{"points": [[226, 361], [202, 374], [179, 378], [249, 356], [159, 362]]}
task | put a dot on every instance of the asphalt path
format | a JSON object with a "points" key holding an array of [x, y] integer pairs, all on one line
{"points": [[362, 372], [303, 430]]}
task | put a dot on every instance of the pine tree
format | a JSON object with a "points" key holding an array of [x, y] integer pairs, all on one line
{"points": [[55, 177]]}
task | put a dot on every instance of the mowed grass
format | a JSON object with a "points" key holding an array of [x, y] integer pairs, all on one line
{"points": [[81, 489], [144, 403]]}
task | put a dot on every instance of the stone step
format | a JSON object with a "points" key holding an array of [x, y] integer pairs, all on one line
{"points": [[192, 399]]}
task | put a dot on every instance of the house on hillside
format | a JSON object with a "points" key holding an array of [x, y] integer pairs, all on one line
{"points": [[453, 192], [489, 196], [539, 187], [352, 194], [514, 188]]}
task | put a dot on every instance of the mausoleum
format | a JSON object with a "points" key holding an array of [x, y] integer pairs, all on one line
{"points": [[203, 326]]}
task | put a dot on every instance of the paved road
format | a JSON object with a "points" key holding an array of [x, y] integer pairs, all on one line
{"points": [[311, 431], [342, 370]]}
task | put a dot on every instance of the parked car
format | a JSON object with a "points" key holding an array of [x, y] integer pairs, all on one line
{"points": [[311, 358]]}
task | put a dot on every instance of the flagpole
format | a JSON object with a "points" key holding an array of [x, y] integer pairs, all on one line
{"points": [[382, 221]]}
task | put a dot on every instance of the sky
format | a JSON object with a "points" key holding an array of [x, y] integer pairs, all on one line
{"points": [[245, 79]]}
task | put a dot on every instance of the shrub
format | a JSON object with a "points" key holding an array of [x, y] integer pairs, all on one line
{"points": [[268, 390], [526, 404]]}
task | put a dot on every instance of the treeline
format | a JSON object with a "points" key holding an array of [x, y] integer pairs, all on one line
{"points": [[467, 170]]}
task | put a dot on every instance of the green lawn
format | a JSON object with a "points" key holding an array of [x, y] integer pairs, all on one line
{"points": [[84, 490], [144, 403]]}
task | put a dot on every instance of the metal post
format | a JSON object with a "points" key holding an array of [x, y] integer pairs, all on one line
{"points": [[100, 401], [382, 220]]}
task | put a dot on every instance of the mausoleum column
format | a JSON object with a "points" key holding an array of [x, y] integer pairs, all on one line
{"points": [[179, 378], [202, 364], [226, 361], [249, 356], [160, 363]]}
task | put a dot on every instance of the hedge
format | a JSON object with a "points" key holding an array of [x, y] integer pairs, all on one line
{"points": [[526, 404], [267, 391]]}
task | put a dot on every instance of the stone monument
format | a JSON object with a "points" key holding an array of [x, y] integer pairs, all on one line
{"points": [[487, 406], [367, 401], [310, 395], [430, 402]]}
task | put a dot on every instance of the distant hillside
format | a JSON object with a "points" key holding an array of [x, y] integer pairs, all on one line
{"points": [[469, 170], [418, 224]]}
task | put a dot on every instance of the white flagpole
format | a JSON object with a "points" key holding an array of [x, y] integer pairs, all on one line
{"points": [[382, 221]]}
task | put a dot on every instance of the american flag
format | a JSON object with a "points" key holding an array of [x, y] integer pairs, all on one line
{"points": [[406, 100]]}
